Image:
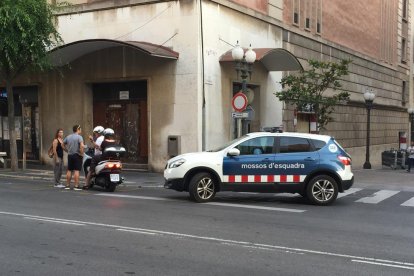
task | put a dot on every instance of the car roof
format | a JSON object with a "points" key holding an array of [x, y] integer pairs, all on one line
{"points": [[325, 138]]}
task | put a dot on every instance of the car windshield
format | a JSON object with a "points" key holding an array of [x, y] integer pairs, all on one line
{"points": [[227, 144]]}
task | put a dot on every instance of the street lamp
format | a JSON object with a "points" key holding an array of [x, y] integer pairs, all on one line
{"points": [[369, 97], [411, 116], [243, 61], [243, 64]]}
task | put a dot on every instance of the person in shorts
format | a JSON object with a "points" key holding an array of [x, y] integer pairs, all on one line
{"points": [[74, 146]]}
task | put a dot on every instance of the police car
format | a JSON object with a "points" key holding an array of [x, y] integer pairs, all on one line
{"points": [[315, 166]]}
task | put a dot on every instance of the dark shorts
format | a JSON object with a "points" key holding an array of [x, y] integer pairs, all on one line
{"points": [[74, 162]]}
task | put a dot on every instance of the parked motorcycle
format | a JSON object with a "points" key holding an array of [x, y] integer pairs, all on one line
{"points": [[108, 171]]}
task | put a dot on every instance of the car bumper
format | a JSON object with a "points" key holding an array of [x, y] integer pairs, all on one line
{"points": [[174, 184], [346, 184]]}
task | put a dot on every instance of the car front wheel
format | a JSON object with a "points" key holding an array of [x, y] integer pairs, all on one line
{"points": [[202, 187], [322, 190]]}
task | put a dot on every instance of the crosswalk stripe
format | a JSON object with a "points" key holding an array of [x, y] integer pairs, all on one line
{"points": [[378, 197], [409, 202], [348, 192]]}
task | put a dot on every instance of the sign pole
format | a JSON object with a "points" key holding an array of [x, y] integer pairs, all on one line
{"points": [[23, 141], [239, 104]]}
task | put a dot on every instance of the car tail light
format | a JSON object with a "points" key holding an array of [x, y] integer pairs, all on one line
{"points": [[345, 160]]}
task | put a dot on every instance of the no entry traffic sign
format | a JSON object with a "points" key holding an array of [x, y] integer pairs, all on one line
{"points": [[239, 102]]}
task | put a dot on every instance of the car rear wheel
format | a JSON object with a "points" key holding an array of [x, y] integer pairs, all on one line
{"points": [[202, 187], [322, 190]]}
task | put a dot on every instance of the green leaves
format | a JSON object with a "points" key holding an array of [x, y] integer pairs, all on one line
{"points": [[27, 32], [308, 87]]}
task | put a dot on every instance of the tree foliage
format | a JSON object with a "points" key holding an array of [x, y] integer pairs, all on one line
{"points": [[306, 89], [27, 32]]}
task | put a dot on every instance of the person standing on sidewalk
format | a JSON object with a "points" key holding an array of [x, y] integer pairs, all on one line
{"points": [[410, 152], [58, 157], [75, 146]]}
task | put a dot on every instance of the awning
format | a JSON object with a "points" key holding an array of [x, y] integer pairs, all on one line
{"points": [[69, 52], [274, 59]]}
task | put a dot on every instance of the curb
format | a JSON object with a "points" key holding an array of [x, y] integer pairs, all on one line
{"points": [[49, 178]]}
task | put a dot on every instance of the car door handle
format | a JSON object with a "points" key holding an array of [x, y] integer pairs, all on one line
{"points": [[309, 159]]}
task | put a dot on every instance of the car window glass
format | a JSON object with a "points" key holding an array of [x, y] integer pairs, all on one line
{"points": [[318, 144], [258, 145], [294, 144]]}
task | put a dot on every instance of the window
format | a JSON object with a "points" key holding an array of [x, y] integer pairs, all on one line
{"points": [[404, 9], [259, 145], [403, 94], [403, 50], [318, 144], [308, 12], [296, 9], [318, 16], [294, 144]]}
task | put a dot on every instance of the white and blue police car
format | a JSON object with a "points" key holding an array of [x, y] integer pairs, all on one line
{"points": [[315, 166]]}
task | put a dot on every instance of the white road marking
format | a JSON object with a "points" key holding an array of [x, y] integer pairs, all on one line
{"points": [[287, 195], [255, 207], [348, 192], [378, 197], [136, 231], [409, 203], [55, 221], [221, 241], [137, 197], [210, 203], [382, 264]]}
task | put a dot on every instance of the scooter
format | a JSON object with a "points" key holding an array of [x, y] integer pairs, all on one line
{"points": [[108, 171]]}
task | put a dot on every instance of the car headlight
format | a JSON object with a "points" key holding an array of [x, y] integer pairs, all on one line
{"points": [[176, 163]]}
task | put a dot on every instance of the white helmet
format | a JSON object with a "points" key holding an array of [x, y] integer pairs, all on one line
{"points": [[98, 129], [108, 131]]}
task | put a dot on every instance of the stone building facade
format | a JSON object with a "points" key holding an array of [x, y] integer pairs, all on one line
{"points": [[156, 70], [375, 36]]}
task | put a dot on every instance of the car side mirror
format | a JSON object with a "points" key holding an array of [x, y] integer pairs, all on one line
{"points": [[233, 152]]}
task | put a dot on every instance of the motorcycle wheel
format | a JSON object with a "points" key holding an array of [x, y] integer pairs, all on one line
{"points": [[110, 186]]}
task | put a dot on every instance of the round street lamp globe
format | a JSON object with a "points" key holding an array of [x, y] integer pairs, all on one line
{"points": [[411, 110], [369, 96], [250, 55], [237, 53]]}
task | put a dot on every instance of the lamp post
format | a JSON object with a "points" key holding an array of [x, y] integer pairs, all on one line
{"points": [[369, 97], [243, 64], [411, 116]]}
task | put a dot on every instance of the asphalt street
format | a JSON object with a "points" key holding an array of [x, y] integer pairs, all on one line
{"points": [[147, 230]]}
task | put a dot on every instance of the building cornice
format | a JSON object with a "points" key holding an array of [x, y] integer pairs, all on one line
{"points": [[106, 5], [110, 4], [306, 34]]}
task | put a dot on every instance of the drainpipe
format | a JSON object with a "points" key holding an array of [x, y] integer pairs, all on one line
{"points": [[203, 115]]}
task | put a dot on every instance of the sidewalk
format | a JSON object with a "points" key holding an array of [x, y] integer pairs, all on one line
{"points": [[383, 178], [375, 178], [45, 173]]}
